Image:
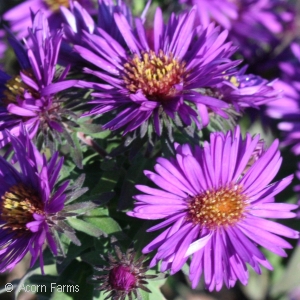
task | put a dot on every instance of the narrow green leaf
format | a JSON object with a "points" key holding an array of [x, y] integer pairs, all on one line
{"points": [[99, 217], [74, 251], [86, 227], [133, 176], [72, 282]]}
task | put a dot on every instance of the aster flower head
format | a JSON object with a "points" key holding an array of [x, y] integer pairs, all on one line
{"points": [[155, 83], [123, 275], [287, 104], [19, 16], [32, 209], [106, 20], [248, 21], [287, 108], [77, 20], [213, 201], [24, 97], [231, 13], [243, 90], [223, 12]]}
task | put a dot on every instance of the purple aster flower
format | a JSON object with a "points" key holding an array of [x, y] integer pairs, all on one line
{"points": [[244, 90], [123, 276], [31, 208], [213, 201], [249, 21], [223, 12], [19, 16], [146, 83], [77, 19], [287, 108], [23, 98], [106, 21], [286, 104], [249, 14]]}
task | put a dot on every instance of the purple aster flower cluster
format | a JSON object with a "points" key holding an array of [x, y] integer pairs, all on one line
{"points": [[159, 80], [105, 91], [146, 81]]}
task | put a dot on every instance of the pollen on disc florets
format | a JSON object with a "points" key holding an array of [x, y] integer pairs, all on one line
{"points": [[18, 205], [55, 4], [217, 208], [15, 87], [156, 75]]}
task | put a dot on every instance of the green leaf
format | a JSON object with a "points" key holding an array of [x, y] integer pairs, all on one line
{"points": [[142, 237], [81, 207], [100, 219], [108, 165], [101, 296], [57, 295], [99, 199], [90, 128], [86, 227], [133, 176], [72, 282], [90, 158], [75, 251], [93, 258], [154, 287], [76, 152], [66, 169], [145, 295], [106, 183], [101, 135]]}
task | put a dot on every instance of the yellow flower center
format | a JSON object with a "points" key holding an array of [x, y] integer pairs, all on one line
{"points": [[154, 74], [218, 208], [16, 87], [55, 4], [234, 81], [17, 207]]}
